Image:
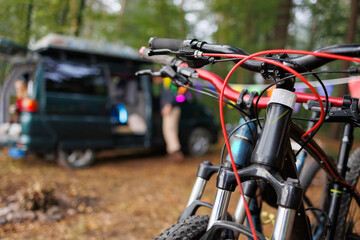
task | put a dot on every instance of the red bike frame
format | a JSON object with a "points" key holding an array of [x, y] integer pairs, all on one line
{"points": [[233, 95]]}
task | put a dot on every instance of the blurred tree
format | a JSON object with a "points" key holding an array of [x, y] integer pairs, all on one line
{"points": [[144, 19], [13, 24], [282, 22], [64, 13], [29, 20], [328, 22], [79, 18], [252, 25]]}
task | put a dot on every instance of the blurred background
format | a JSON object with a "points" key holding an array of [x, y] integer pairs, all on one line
{"points": [[250, 24], [253, 25]]}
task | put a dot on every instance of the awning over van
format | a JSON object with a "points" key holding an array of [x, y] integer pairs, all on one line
{"points": [[86, 46]]}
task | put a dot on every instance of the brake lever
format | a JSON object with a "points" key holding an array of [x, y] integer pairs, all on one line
{"points": [[163, 52], [148, 72], [166, 71], [188, 72], [178, 78]]}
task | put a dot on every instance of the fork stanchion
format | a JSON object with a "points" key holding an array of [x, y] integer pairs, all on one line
{"points": [[205, 171], [197, 190], [249, 192], [221, 204], [225, 186], [283, 224]]}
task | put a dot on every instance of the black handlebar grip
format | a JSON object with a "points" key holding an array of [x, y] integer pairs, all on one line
{"points": [[161, 59], [165, 43]]}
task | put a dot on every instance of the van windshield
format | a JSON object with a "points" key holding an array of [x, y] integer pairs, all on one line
{"points": [[71, 77]]}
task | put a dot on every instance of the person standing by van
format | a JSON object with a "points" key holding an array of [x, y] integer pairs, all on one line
{"points": [[12, 127], [170, 112]]}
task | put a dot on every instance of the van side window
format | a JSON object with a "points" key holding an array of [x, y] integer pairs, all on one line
{"points": [[70, 77]]}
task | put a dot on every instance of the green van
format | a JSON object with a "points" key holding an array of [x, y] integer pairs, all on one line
{"points": [[80, 101]]}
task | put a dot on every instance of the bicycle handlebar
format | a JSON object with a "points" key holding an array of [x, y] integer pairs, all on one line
{"points": [[230, 93], [300, 64]]}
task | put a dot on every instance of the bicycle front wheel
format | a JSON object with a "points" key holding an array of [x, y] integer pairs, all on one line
{"points": [[191, 228], [348, 222]]}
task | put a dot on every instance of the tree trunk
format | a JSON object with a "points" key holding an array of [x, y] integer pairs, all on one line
{"points": [[350, 38], [28, 22], [282, 22], [120, 21], [64, 13], [79, 18]]}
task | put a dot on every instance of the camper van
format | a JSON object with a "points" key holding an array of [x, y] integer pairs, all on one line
{"points": [[82, 97]]}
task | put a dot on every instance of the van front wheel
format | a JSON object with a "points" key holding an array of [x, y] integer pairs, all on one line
{"points": [[198, 142], [75, 158]]}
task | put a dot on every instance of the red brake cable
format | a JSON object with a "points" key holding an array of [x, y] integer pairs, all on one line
{"points": [[221, 113], [245, 58]]}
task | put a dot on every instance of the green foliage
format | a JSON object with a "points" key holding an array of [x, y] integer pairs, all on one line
{"points": [[28, 20], [328, 23], [248, 23], [144, 19], [12, 19]]}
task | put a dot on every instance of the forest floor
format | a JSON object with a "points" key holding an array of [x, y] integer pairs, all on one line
{"points": [[122, 196]]}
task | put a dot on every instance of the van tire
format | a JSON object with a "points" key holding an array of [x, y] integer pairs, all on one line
{"points": [[198, 142], [76, 158]]}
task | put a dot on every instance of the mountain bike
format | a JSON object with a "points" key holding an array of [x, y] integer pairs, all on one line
{"points": [[261, 159]]}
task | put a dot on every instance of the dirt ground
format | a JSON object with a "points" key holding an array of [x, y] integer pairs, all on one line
{"points": [[133, 196], [136, 196]]}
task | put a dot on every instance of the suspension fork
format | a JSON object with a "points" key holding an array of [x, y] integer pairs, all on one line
{"points": [[270, 151], [289, 195], [241, 149], [269, 154]]}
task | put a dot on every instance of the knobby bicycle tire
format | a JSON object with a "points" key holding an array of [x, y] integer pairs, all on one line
{"points": [[344, 224], [191, 228]]}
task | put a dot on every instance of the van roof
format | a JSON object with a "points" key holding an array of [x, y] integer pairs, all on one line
{"points": [[85, 46]]}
